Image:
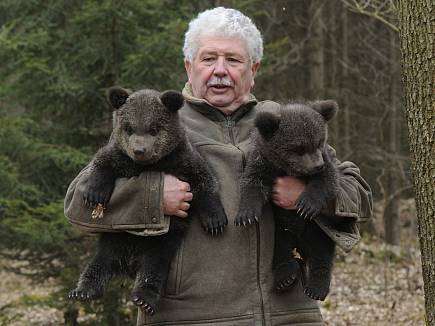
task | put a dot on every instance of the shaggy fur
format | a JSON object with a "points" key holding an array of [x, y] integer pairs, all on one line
{"points": [[293, 142], [146, 136]]}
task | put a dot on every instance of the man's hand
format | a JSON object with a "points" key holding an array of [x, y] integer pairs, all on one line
{"points": [[176, 195], [286, 191]]}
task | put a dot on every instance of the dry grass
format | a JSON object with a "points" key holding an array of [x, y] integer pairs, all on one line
{"points": [[373, 285], [376, 285]]}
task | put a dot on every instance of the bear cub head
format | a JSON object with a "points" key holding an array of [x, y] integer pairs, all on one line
{"points": [[293, 138], [146, 126]]}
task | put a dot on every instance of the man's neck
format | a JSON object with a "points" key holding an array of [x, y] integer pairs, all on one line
{"points": [[228, 110]]}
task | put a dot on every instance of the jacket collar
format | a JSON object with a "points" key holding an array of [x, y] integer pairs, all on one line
{"points": [[213, 113]]}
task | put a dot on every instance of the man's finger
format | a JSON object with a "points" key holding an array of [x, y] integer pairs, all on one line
{"points": [[279, 180], [188, 196], [186, 186], [184, 206], [181, 213]]}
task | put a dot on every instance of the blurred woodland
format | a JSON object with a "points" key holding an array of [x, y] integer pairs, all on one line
{"points": [[57, 58]]}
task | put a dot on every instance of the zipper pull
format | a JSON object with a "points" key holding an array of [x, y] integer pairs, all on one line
{"points": [[229, 123]]}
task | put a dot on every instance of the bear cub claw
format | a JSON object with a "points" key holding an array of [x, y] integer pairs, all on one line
{"points": [[316, 290], [246, 217], [97, 192], [82, 294], [308, 207], [285, 275], [146, 299], [214, 223]]}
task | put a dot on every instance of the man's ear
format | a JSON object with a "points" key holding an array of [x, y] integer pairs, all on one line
{"points": [[173, 100], [117, 96], [327, 108], [267, 123], [254, 69], [188, 67]]}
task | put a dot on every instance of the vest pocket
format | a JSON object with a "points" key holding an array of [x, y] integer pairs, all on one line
{"points": [[174, 276]]}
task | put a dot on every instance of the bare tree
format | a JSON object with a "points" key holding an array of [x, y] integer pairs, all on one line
{"points": [[383, 10]]}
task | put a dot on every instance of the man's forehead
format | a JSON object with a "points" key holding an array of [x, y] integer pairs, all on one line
{"points": [[222, 45]]}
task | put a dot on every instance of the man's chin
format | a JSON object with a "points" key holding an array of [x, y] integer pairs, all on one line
{"points": [[220, 102]]}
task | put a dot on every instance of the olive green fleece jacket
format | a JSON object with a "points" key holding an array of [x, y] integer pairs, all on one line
{"points": [[225, 280]]}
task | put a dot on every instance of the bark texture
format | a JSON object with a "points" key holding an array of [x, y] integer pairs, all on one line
{"points": [[416, 25]]}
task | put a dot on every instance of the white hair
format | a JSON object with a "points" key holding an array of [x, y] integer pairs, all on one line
{"points": [[224, 22]]}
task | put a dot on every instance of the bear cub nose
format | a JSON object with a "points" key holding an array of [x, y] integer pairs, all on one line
{"points": [[139, 153]]}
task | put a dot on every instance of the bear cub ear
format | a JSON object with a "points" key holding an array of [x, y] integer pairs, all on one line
{"points": [[173, 100], [327, 108], [267, 123], [117, 96]]}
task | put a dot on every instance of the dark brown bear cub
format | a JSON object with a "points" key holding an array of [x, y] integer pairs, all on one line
{"points": [[292, 141], [146, 136]]}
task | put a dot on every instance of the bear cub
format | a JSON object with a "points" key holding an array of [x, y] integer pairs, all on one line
{"points": [[292, 141], [147, 136]]}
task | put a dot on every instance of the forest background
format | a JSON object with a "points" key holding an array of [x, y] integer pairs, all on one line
{"points": [[59, 57]]}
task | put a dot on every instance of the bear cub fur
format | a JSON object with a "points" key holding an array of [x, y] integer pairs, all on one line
{"points": [[146, 136], [292, 141]]}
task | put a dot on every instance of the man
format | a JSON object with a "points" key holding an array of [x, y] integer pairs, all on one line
{"points": [[225, 280]]}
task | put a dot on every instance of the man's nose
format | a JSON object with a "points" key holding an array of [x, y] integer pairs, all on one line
{"points": [[220, 68]]}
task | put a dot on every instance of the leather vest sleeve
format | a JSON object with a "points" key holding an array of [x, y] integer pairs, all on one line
{"points": [[135, 206]]}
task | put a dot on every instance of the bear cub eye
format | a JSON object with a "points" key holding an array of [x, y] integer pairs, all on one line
{"points": [[299, 150], [129, 130], [153, 131]]}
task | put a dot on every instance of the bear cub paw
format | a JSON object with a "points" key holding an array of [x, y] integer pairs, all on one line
{"points": [[146, 299], [246, 216], [285, 275], [85, 293], [309, 206], [317, 289], [214, 220], [98, 191]]}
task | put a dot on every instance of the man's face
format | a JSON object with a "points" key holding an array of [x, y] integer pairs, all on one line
{"points": [[221, 72]]}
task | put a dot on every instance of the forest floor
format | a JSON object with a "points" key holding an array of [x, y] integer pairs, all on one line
{"points": [[375, 284]]}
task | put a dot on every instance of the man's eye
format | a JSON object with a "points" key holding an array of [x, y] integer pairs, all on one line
{"points": [[233, 60], [208, 59]]}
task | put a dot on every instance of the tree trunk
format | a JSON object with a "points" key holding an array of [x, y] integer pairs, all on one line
{"points": [[416, 21], [316, 47], [391, 209], [345, 135], [333, 78]]}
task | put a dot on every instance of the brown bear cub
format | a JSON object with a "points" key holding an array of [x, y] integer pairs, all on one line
{"points": [[292, 141], [146, 136]]}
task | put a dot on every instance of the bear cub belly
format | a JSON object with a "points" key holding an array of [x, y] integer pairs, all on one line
{"points": [[147, 136], [292, 141]]}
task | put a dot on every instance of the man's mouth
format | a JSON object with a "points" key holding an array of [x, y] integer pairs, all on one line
{"points": [[219, 86], [219, 89]]}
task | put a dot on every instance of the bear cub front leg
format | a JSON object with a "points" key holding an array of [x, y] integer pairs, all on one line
{"points": [[320, 190], [254, 192], [212, 213]]}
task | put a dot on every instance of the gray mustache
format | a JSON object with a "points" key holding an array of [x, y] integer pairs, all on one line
{"points": [[216, 81]]}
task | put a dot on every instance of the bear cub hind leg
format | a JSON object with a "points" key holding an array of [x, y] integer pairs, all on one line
{"points": [[286, 268], [152, 265], [321, 250], [96, 276]]}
